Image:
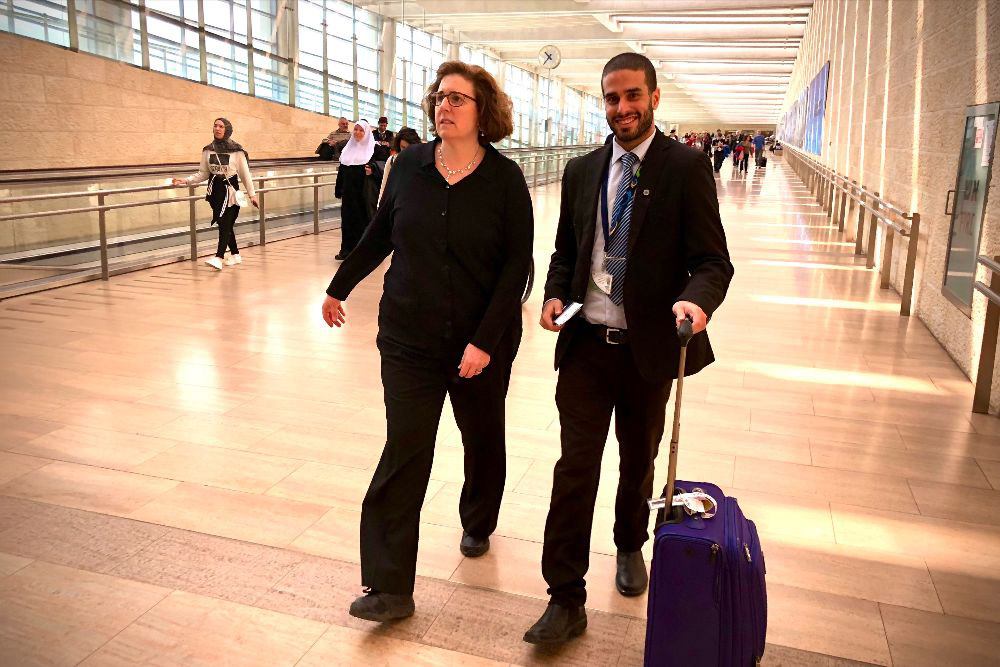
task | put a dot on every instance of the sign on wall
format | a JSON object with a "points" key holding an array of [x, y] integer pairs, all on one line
{"points": [[802, 124]]}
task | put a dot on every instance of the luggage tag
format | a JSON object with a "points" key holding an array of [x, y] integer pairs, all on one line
{"points": [[694, 503]]}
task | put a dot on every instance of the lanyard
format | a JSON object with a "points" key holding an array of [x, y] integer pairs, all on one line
{"points": [[604, 198]]}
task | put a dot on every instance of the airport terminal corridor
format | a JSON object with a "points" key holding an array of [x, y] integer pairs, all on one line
{"points": [[185, 453]]}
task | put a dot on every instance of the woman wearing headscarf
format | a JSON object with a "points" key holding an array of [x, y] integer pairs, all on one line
{"points": [[404, 138], [357, 162], [456, 218], [225, 164]]}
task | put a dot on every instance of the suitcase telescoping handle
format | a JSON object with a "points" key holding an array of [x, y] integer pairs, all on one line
{"points": [[684, 333]]}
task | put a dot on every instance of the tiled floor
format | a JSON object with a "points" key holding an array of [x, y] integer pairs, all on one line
{"points": [[183, 456]]}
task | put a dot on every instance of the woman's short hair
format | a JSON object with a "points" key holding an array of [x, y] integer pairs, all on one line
{"points": [[496, 116], [407, 134]]}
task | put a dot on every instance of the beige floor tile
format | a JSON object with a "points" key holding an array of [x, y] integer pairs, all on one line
{"points": [[826, 623], [323, 446], [952, 443], [10, 564], [732, 442], [785, 656], [347, 646], [898, 413], [296, 411], [323, 589], [919, 638], [898, 462], [113, 415], [16, 429], [449, 466], [187, 629], [87, 488], [189, 398], [460, 625], [879, 491], [217, 466], [841, 430], [207, 565], [851, 571], [758, 398], [985, 424], [992, 471], [967, 589], [75, 538], [55, 615], [13, 465], [338, 535], [96, 447], [333, 486], [216, 431], [954, 500], [787, 516], [514, 566], [225, 513], [913, 535]]}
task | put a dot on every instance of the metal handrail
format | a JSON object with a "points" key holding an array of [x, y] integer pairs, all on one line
{"points": [[555, 155], [826, 183], [991, 331]]}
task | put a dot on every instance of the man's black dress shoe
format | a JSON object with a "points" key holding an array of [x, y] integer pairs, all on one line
{"points": [[557, 625], [473, 547], [631, 578], [380, 607]]}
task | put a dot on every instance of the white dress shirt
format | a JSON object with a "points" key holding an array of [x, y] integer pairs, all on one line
{"points": [[598, 308]]}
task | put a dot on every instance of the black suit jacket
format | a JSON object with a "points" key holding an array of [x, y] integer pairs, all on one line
{"points": [[676, 252]]}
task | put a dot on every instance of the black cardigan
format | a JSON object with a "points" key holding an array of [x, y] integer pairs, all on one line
{"points": [[460, 253]]}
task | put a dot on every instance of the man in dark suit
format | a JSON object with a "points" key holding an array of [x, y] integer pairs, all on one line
{"points": [[640, 244]]}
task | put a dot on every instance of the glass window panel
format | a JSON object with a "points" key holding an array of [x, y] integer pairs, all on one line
{"points": [[270, 78], [227, 65], [43, 20], [173, 49], [368, 105], [309, 90], [340, 50], [341, 99], [109, 29], [219, 16]]}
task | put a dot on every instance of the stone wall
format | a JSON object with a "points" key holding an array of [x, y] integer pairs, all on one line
{"points": [[902, 73], [64, 109]]}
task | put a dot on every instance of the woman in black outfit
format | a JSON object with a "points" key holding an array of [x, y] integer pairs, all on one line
{"points": [[456, 218], [225, 164], [357, 163]]}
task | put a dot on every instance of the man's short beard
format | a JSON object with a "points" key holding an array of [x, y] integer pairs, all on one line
{"points": [[641, 127]]}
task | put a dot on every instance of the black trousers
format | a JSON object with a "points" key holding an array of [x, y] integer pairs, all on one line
{"points": [[415, 389], [744, 161], [353, 218], [227, 232], [596, 379]]}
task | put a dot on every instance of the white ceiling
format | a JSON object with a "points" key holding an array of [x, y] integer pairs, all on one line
{"points": [[720, 62]]}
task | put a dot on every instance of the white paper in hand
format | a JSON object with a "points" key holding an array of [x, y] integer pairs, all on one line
{"points": [[568, 313]]}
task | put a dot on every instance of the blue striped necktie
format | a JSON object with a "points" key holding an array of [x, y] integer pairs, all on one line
{"points": [[617, 243]]}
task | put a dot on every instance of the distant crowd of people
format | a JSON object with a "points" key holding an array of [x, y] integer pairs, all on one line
{"points": [[721, 145]]}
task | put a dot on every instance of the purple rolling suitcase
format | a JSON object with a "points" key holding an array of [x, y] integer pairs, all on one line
{"points": [[707, 599]]}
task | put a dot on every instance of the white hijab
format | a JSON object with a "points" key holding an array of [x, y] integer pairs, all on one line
{"points": [[358, 152]]}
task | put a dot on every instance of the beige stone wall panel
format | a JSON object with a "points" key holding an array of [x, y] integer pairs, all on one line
{"points": [[912, 67]]}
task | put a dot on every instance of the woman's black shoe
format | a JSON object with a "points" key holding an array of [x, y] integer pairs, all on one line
{"points": [[473, 547], [557, 625], [381, 607]]}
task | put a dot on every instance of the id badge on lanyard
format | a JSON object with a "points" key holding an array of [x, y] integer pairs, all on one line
{"points": [[602, 278]]}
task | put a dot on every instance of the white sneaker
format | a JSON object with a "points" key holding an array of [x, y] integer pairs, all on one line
{"points": [[215, 263], [234, 260]]}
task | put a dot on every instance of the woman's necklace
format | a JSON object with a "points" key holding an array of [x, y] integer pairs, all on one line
{"points": [[455, 172]]}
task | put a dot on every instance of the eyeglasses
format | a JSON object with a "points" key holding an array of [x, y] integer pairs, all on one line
{"points": [[454, 98]]}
